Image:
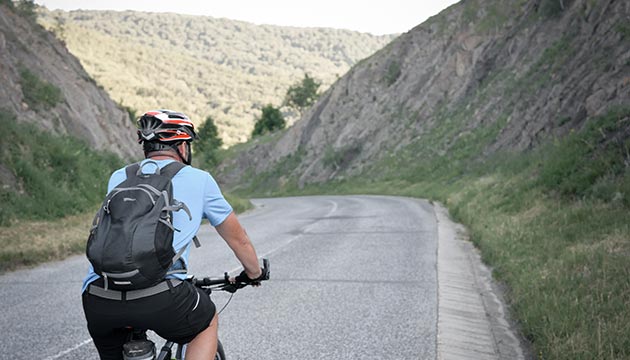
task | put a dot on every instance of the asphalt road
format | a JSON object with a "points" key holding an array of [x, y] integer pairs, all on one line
{"points": [[353, 277]]}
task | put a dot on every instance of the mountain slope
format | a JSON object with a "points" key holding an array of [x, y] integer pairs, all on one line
{"points": [[62, 134], [485, 76], [43, 84], [203, 65], [516, 115]]}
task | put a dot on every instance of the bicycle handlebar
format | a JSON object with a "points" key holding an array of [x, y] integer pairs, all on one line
{"points": [[224, 283]]}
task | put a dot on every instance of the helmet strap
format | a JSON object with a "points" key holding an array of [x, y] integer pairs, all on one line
{"points": [[151, 146], [188, 157]]}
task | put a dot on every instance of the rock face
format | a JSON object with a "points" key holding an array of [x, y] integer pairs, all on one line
{"points": [[85, 111], [536, 69]]}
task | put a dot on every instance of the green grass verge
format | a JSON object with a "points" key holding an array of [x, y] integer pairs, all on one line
{"points": [[54, 176], [552, 223], [239, 204]]}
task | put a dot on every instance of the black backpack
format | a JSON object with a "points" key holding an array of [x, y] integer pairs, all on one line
{"points": [[131, 239]]}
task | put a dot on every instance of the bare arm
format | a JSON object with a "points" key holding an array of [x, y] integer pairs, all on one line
{"points": [[235, 236]]}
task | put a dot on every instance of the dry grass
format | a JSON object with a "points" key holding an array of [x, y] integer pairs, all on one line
{"points": [[25, 243]]}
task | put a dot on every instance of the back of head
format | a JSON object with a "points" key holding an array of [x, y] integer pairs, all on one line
{"points": [[164, 130]]}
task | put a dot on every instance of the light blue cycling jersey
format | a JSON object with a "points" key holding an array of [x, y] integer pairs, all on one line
{"points": [[194, 187]]}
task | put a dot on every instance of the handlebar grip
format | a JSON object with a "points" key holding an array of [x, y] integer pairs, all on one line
{"points": [[212, 281], [265, 269], [231, 287]]}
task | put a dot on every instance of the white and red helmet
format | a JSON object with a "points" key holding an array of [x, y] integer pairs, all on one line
{"points": [[165, 126]]}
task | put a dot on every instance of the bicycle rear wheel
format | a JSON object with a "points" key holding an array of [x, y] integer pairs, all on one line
{"points": [[220, 353]]}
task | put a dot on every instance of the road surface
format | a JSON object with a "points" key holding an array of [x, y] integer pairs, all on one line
{"points": [[353, 277]]}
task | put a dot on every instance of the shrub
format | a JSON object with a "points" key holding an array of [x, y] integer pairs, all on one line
{"points": [[38, 94], [552, 8], [270, 121], [393, 73], [59, 175], [331, 157]]}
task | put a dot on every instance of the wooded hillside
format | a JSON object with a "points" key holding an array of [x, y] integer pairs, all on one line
{"points": [[203, 65]]}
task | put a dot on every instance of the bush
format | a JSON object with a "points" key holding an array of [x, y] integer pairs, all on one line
{"points": [[38, 94], [553, 8], [270, 121], [393, 73], [331, 157], [59, 175]]}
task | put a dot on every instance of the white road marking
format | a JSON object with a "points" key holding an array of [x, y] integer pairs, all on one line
{"points": [[69, 350]]}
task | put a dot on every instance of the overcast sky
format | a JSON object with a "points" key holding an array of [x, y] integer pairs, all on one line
{"points": [[374, 16]]}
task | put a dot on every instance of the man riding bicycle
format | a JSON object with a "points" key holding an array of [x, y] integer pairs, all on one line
{"points": [[174, 309]]}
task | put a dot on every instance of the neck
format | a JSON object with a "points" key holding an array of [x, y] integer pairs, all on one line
{"points": [[163, 155]]}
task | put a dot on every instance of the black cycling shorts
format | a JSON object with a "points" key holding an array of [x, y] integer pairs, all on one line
{"points": [[178, 315]]}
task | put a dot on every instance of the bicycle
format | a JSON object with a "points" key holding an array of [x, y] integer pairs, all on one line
{"points": [[139, 347]]}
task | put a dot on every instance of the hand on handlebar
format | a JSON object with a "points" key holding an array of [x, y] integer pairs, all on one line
{"points": [[243, 278]]}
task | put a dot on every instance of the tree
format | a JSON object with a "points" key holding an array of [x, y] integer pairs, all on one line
{"points": [[26, 9], [270, 121], [302, 94], [208, 144]]}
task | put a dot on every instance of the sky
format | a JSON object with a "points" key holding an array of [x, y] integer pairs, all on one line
{"points": [[377, 17]]}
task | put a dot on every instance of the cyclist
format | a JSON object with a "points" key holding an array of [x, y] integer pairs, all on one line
{"points": [[182, 313]]}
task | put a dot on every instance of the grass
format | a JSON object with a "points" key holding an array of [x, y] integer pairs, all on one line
{"points": [[54, 175], [38, 94], [27, 242], [552, 223], [239, 204], [565, 262]]}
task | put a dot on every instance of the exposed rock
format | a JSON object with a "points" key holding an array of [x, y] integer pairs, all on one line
{"points": [[8, 181], [545, 73], [86, 110]]}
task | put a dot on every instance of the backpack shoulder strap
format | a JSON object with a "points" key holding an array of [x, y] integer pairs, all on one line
{"points": [[132, 169], [172, 169]]}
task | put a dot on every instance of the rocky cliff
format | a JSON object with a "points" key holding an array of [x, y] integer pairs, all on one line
{"points": [[42, 83], [505, 76]]}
